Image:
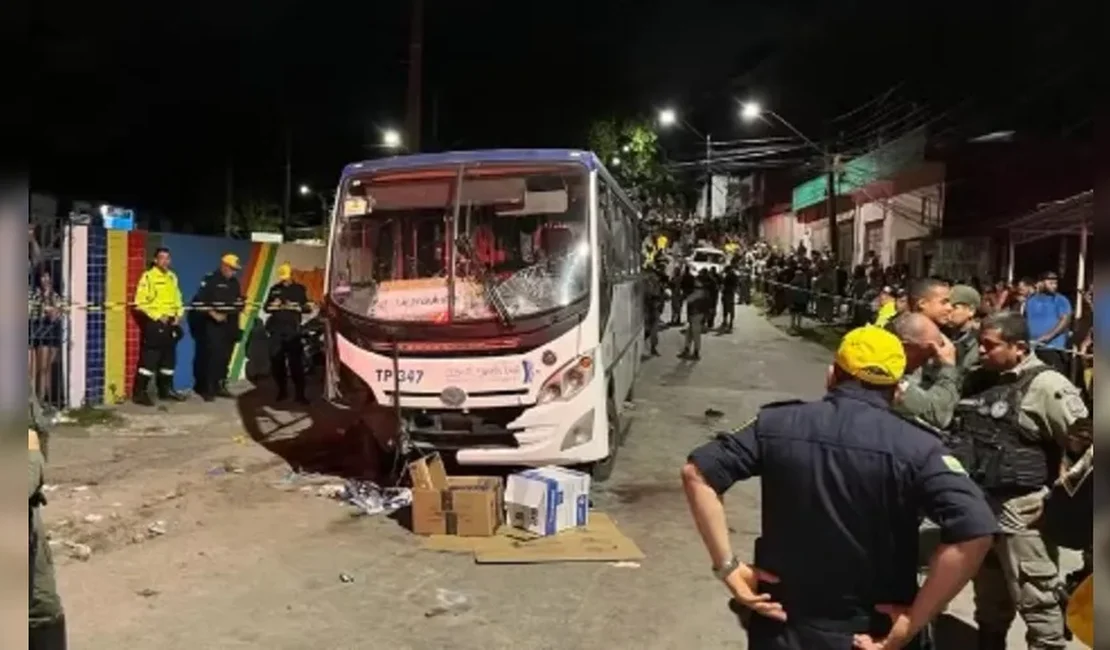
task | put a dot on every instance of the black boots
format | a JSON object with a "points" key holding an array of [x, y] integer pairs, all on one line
{"points": [[140, 392], [166, 391], [222, 391], [49, 636]]}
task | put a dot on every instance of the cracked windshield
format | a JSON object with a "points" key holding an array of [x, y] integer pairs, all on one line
{"points": [[517, 238]]}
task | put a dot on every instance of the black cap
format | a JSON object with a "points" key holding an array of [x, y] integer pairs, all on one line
{"points": [[1050, 275]]}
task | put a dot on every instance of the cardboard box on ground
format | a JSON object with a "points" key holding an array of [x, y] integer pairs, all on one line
{"points": [[468, 506], [466, 514], [547, 500]]}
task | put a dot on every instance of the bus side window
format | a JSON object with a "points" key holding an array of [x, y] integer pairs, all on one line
{"points": [[608, 260]]}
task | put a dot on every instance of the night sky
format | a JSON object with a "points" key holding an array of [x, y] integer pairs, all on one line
{"points": [[144, 105]]}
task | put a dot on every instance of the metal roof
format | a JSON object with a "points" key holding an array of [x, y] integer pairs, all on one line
{"points": [[413, 161], [1071, 216]]}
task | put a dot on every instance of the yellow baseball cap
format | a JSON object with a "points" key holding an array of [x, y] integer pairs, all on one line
{"points": [[285, 271], [872, 355], [231, 260]]}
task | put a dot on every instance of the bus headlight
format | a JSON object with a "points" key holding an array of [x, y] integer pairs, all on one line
{"points": [[568, 381]]}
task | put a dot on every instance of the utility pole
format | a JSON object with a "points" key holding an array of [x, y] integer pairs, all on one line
{"points": [[830, 208], [708, 178], [416, 65], [229, 197], [287, 192]]}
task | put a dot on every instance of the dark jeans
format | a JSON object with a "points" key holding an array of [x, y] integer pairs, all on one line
{"points": [[287, 361]]}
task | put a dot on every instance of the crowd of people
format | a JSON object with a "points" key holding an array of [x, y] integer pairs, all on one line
{"points": [[988, 439]]}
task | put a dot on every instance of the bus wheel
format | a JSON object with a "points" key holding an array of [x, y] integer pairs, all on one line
{"points": [[601, 470]]}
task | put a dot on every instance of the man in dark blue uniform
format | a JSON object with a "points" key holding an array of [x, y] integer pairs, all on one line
{"points": [[219, 302], [844, 483]]}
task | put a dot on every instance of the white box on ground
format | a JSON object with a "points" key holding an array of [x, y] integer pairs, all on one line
{"points": [[547, 500]]}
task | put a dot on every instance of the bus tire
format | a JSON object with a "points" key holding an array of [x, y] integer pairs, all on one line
{"points": [[601, 470]]}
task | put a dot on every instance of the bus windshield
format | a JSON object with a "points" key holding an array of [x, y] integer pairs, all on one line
{"points": [[462, 243]]}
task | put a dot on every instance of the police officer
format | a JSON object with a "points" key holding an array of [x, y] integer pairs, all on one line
{"points": [[1010, 435], [45, 614], [286, 303], [729, 282], [655, 294], [159, 311], [963, 327], [219, 300], [931, 387], [843, 481]]}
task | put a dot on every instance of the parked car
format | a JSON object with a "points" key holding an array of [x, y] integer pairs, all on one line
{"points": [[707, 258]]}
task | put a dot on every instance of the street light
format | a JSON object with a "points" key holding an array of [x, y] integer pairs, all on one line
{"points": [[616, 162], [668, 117], [391, 139], [304, 190], [750, 111]]}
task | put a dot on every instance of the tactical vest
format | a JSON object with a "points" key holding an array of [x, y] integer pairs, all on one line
{"points": [[997, 452]]}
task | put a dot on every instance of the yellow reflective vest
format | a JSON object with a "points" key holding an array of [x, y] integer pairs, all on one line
{"points": [[157, 294]]}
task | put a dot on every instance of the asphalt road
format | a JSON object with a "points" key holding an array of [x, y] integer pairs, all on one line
{"points": [[242, 561]]}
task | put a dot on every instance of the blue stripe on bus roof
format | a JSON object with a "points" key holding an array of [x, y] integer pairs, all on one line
{"points": [[586, 158]]}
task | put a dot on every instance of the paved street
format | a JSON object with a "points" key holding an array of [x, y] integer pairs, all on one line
{"points": [[202, 545]]}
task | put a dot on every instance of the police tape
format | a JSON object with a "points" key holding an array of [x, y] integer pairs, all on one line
{"points": [[840, 301], [67, 306]]}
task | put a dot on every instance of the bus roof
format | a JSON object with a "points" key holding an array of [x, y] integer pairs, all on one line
{"points": [[586, 158]]}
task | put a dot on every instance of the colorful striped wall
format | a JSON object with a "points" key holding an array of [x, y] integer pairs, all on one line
{"points": [[105, 267]]}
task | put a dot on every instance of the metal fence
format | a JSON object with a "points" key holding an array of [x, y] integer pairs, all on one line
{"points": [[47, 316]]}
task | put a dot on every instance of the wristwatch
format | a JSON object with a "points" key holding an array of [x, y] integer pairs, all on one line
{"points": [[725, 570]]}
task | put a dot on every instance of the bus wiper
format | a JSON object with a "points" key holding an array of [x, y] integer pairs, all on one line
{"points": [[486, 279]]}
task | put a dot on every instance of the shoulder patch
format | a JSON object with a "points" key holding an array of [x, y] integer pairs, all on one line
{"points": [[953, 464], [1075, 406]]}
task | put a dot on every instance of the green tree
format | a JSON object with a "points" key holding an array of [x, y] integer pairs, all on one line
{"points": [[630, 150]]}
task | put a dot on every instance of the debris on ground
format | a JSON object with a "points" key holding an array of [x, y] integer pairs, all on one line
{"points": [[625, 565], [80, 488], [371, 499], [346, 578], [93, 519], [714, 413], [147, 592], [78, 551], [157, 528], [331, 491], [448, 602]]}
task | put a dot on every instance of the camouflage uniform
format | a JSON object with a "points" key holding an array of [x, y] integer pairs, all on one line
{"points": [[45, 614]]}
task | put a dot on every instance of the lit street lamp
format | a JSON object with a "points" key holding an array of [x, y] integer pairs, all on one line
{"points": [[391, 139], [751, 111], [616, 162], [668, 117], [306, 191]]}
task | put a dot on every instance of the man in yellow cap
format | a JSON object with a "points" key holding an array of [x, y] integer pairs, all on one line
{"points": [[843, 481], [286, 304], [218, 302]]}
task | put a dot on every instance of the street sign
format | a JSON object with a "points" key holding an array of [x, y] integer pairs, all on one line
{"points": [[117, 218]]}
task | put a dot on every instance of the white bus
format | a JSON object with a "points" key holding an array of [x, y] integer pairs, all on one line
{"points": [[491, 299]]}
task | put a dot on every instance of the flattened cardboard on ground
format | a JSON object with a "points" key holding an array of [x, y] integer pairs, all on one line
{"points": [[467, 506], [598, 541]]}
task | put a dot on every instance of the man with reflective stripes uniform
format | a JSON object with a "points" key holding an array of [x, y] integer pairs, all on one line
{"points": [[1010, 435], [159, 306]]}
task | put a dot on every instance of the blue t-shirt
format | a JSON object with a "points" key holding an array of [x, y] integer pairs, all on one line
{"points": [[1042, 312]]}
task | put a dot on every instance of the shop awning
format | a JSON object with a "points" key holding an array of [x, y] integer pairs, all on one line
{"points": [[1071, 216]]}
